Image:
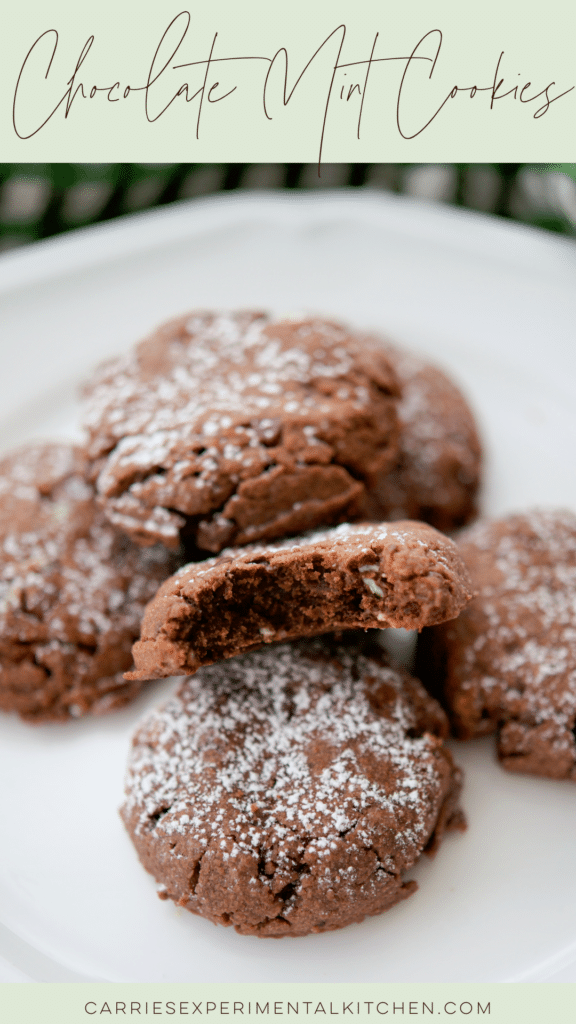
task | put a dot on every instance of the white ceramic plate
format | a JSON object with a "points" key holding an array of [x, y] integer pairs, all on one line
{"points": [[496, 304]]}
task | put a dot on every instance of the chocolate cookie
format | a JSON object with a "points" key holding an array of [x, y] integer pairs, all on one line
{"points": [[72, 590], [232, 429], [286, 791], [508, 663], [436, 475], [353, 576]]}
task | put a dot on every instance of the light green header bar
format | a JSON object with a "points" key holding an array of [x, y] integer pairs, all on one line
{"points": [[82, 1003], [259, 81]]}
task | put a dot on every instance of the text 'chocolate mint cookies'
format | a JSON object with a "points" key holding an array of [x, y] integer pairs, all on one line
{"points": [[437, 472], [232, 429], [509, 662], [72, 590], [353, 576], [286, 791]]}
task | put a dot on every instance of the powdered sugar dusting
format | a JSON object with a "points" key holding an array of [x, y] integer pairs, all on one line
{"points": [[523, 657], [279, 755], [437, 471], [65, 573], [436, 425], [202, 406], [72, 592], [358, 539]]}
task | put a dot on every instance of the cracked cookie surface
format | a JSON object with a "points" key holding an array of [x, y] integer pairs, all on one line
{"points": [[287, 791], [231, 428], [72, 590], [508, 663], [352, 576]]}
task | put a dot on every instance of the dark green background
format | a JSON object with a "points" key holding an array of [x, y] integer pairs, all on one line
{"points": [[40, 200]]}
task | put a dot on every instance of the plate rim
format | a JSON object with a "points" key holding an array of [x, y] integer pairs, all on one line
{"points": [[476, 232]]}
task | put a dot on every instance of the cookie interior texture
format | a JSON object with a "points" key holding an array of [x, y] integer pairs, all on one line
{"points": [[232, 429], [353, 576], [72, 590], [436, 475], [287, 791], [508, 663]]}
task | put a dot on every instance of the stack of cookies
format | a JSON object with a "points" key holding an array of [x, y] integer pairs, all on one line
{"points": [[271, 491]]}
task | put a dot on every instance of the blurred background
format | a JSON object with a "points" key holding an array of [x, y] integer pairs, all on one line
{"points": [[40, 200]]}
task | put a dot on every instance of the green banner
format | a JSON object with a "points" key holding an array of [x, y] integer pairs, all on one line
{"points": [[81, 1003], [371, 81]]}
